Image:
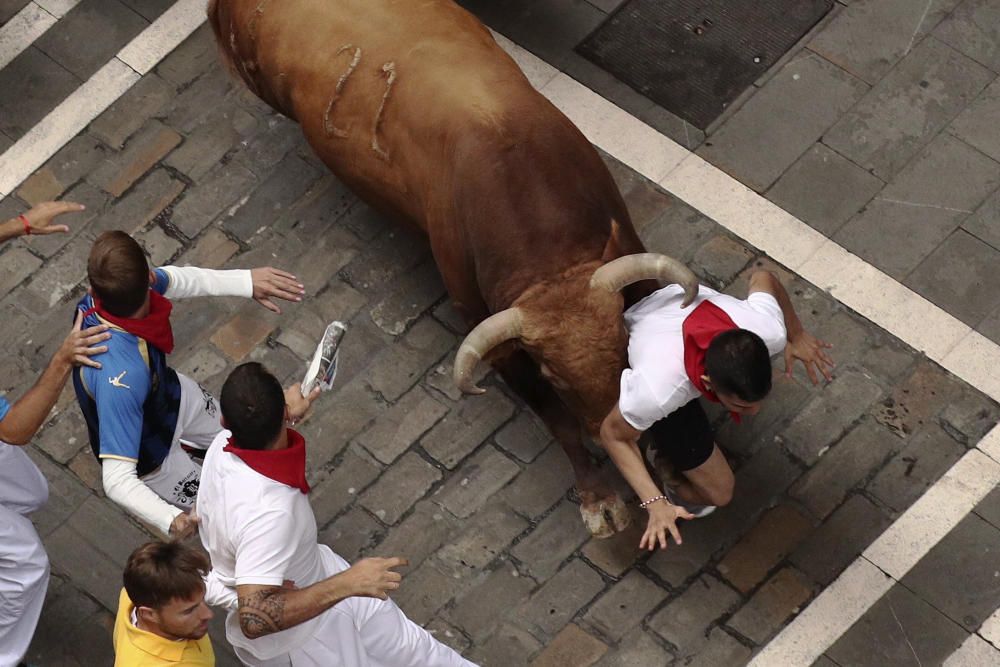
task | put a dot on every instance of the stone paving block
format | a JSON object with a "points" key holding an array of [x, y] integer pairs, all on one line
{"points": [[644, 200], [782, 596], [330, 495], [71, 163], [636, 648], [899, 629], [719, 260], [75, 45], [908, 107], [482, 475], [831, 412], [478, 610], [209, 92], [194, 56], [572, 646], [554, 604], [108, 528], [16, 376], [449, 635], [351, 534], [66, 494], [927, 456], [72, 555], [61, 273], [542, 484], [789, 114], [721, 651], [158, 246], [63, 436], [245, 331], [871, 36], [148, 9], [678, 231], [550, 30], [958, 276], [425, 590], [441, 379], [556, 537], [525, 436], [356, 407], [131, 111], [989, 507], [87, 470], [975, 125], [210, 251], [8, 8], [301, 330], [386, 259], [968, 420], [65, 634], [396, 369], [418, 535], [411, 295], [446, 314], [617, 553], [983, 223], [290, 180], [462, 431], [339, 301], [26, 100], [685, 621], [204, 362], [858, 456], [915, 401], [783, 404], [402, 425], [142, 204], [509, 645], [273, 142], [824, 189], [210, 141], [926, 202], [843, 536], [18, 264], [858, 342], [958, 576], [483, 537], [399, 486], [624, 605], [147, 147], [973, 29], [777, 533], [40, 186]]}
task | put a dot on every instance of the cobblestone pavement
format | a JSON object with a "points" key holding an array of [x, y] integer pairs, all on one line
{"points": [[471, 489]]}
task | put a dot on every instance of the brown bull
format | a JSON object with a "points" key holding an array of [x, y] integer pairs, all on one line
{"points": [[415, 107]]}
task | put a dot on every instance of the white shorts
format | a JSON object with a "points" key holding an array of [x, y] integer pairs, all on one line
{"points": [[198, 422]]}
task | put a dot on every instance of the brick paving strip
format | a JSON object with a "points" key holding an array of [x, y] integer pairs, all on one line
{"points": [[393, 376]]}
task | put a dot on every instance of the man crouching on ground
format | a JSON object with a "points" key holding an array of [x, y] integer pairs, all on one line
{"points": [[138, 409], [260, 531]]}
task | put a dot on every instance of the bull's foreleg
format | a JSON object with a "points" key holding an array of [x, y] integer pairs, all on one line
{"points": [[602, 509]]}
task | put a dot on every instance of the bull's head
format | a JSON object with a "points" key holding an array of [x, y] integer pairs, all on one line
{"points": [[575, 331]]}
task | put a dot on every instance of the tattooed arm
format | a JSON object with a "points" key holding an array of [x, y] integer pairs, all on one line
{"points": [[267, 609]]}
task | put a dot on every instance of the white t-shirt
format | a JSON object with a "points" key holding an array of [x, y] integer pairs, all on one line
{"points": [[257, 531], [656, 383]]}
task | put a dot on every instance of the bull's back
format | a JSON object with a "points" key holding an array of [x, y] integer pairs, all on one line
{"points": [[382, 88]]}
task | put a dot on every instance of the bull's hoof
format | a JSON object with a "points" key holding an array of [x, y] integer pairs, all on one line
{"points": [[606, 517]]}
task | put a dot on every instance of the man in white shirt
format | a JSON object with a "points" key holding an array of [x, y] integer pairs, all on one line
{"points": [[720, 348], [259, 529]]}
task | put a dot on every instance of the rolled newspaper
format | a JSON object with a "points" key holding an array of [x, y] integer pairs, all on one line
{"points": [[323, 367]]}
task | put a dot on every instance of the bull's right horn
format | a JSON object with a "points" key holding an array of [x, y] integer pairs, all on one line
{"points": [[619, 273], [489, 333]]}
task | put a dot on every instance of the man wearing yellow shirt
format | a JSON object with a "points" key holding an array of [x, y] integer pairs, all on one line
{"points": [[162, 615]]}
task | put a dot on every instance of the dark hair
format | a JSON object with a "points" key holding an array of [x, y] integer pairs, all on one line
{"points": [[158, 572], [253, 405], [118, 273], [738, 364]]}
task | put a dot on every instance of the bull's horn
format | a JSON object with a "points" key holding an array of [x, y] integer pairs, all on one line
{"points": [[489, 333], [619, 273]]}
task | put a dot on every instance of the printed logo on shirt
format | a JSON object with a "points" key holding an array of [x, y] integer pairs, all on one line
{"points": [[117, 381]]}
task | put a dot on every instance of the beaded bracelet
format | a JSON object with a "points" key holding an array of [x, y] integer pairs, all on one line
{"points": [[645, 503]]}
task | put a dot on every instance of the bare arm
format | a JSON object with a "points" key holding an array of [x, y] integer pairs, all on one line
{"points": [[265, 610], [28, 413], [801, 345], [621, 440], [38, 219]]}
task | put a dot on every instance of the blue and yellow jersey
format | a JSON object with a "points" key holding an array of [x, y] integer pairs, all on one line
{"points": [[131, 402]]}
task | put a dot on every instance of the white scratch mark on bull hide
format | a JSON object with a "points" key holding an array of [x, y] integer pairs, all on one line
{"points": [[390, 69], [252, 23], [327, 125]]}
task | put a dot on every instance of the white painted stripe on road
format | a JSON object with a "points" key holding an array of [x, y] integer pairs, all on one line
{"points": [[21, 30], [974, 652], [62, 124], [109, 83], [976, 359], [827, 618], [164, 35]]}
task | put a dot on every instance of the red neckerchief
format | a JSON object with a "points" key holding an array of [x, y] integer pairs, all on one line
{"points": [[704, 323], [154, 328], [287, 465]]}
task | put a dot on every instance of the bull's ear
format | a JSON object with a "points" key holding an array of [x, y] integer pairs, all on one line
{"points": [[612, 249]]}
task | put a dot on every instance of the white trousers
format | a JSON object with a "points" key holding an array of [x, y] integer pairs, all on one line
{"points": [[24, 567], [198, 422], [363, 632]]}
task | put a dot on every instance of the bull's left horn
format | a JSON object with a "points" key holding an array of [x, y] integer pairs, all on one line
{"points": [[621, 272], [489, 333]]}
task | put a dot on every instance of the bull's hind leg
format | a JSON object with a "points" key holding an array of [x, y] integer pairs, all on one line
{"points": [[602, 509]]}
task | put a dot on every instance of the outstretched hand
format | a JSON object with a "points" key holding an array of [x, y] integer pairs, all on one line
{"points": [[40, 216], [663, 521], [269, 282], [374, 577], [810, 351]]}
